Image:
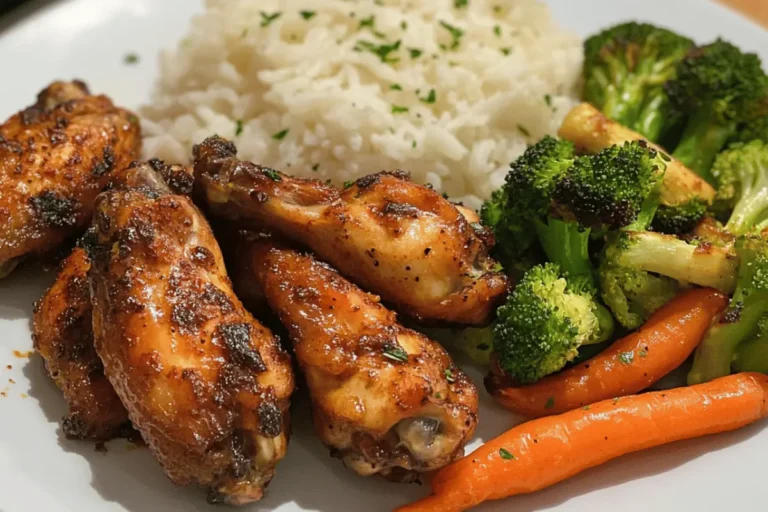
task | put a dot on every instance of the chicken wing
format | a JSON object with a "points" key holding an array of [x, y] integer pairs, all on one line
{"points": [[386, 399], [206, 384], [398, 239], [55, 157], [63, 336]]}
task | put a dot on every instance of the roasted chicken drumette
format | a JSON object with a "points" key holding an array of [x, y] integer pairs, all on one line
{"points": [[398, 239], [386, 399], [55, 157], [205, 383], [63, 336]]}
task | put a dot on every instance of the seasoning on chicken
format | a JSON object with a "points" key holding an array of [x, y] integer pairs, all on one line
{"points": [[206, 384], [55, 157], [386, 400], [398, 239]]}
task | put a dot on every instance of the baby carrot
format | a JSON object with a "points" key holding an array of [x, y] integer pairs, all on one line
{"points": [[545, 451], [628, 366]]}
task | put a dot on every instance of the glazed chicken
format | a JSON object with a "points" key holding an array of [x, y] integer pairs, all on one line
{"points": [[55, 157], [206, 384], [386, 399], [63, 336], [391, 236]]}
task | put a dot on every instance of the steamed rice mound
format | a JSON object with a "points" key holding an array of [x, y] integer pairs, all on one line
{"points": [[339, 89]]}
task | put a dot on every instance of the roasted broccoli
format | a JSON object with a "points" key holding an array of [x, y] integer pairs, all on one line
{"points": [[717, 88], [754, 129], [752, 355], [741, 173], [476, 343], [741, 321], [681, 219], [544, 322], [625, 69]]}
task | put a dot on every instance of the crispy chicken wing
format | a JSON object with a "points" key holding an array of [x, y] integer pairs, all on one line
{"points": [[55, 157], [206, 384], [63, 336], [386, 399], [393, 237]]}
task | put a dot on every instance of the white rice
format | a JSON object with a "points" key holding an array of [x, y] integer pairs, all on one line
{"points": [[505, 81]]}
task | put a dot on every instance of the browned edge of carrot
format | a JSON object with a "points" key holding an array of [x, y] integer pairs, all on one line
{"points": [[628, 366], [547, 450]]}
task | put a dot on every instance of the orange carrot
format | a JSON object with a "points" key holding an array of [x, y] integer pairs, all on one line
{"points": [[545, 451], [628, 366]]}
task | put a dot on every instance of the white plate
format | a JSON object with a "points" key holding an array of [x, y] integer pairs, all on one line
{"points": [[42, 471]]}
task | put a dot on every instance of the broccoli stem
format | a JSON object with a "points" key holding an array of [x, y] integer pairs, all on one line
{"points": [[567, 244], [703, 138], [653, 117], [752, 356], [749, 211], [715, 353]]}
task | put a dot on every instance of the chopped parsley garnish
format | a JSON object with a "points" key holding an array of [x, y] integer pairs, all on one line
{"points": [[370, 21], [273, 174], [643, 352], [504, 454], [626, 357], [413, 144], [460, 3], [586, 408], [382, 51], [348, 184], [404, 25], [523, 130], [431, 97], [506, 51], [456, 33], [396, 87], [267, 19], [238, 127], [497, 30], [550, 403], [415, 52], [315, 167], [548, 100], [397, 109], [449, 376], [131, 58], [437, 395], [281, 134], [396, 353], [497, 9], [307, 15]]}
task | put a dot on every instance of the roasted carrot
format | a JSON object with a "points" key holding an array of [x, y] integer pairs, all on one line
{"points": [[628, 366], [545, 451]]}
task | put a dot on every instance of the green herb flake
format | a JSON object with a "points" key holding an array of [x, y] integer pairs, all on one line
{"points": [[404, 25], [382, 51], [273, 175], [438, 396], [643, 352], [522, 129], [506, 51], [267, 19], [504, 454], [431, 97], [550, 403], [415, 52], [395, 353], [396, 87], [497, 9], [370, 21], [413, 144], [315, 167], [238, 127], [497, 30], [307, 15], [131, 58], [397, 109], [548, 100], [449, 376], [458, 4], [585, 408], [627, 357], [456, 34], [281, 134]]}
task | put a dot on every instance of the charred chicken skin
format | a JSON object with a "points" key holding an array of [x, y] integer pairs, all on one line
{"points": [[391, 236], [55, 157], [386, 399], [63, 336], [206, 384]]}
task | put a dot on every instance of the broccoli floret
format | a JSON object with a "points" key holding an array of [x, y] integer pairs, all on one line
{"points": [[741, 174], [476, 343], [740, 321], [752, 355], [754, 129], [680, 219], [717, 88], [544, 322], [625, 68], [616, 188]]}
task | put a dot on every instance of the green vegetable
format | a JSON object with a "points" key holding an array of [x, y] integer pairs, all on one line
{"points": [[307, 15], [717, 88], [395, 353], [625, 69], [281, 134], [680, 219], [397, 109], [504, 454], [267, 19], [456, 34], [741, 175], [382, 51]]}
